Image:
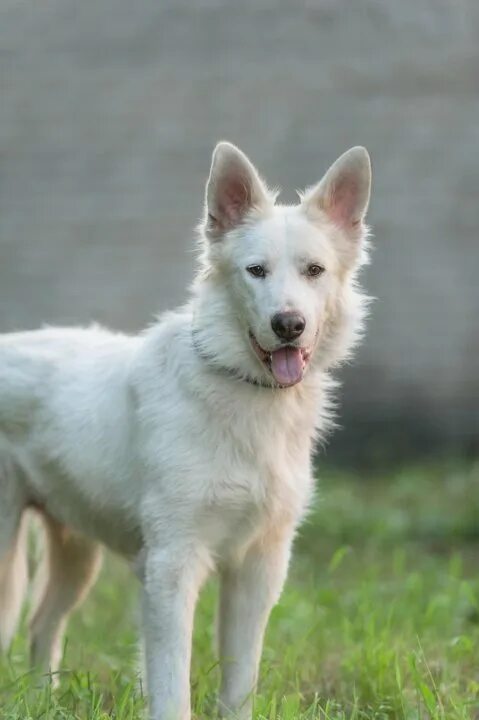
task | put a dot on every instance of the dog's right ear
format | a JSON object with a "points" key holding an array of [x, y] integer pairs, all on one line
{"points": [[233, 189]]}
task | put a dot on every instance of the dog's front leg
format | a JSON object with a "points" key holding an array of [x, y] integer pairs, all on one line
{"points": [[171, 580], [248, 592]]}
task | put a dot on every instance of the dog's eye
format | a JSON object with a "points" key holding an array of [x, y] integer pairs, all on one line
{"points": [[256, 271], [314, 270]]}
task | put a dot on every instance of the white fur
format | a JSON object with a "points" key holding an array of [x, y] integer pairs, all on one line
{"points": [[161, 446]]}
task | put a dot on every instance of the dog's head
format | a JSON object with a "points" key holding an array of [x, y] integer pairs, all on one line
{"points": [[288, 272]]}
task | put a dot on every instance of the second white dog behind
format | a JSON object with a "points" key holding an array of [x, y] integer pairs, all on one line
{"points": [[188, 448]]}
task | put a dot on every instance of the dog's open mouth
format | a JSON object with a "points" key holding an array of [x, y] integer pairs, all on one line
{"points": [[287, 364]]}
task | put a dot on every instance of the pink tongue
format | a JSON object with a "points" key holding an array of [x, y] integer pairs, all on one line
{"points": [[287, 365]]}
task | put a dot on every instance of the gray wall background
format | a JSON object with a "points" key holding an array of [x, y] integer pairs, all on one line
{"points": [[109, 110]]}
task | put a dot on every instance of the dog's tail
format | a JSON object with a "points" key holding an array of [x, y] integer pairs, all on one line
{"points": [[13, 584]]}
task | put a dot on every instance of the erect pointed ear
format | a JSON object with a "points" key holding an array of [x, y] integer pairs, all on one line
{"points": [[233, 189], [343, 193]]}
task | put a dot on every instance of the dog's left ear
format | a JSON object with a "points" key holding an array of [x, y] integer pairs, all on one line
{"points": [[343, 193], [233, 189]]}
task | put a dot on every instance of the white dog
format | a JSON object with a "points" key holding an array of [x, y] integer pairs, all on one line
{"points": [[188, 448]]}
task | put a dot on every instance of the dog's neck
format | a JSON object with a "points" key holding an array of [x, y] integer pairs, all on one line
{"points": [[214, 363]]}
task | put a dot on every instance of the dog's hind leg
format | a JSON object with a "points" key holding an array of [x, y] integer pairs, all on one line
{"points": [[70, 566], [13, 576], [13, 560]]}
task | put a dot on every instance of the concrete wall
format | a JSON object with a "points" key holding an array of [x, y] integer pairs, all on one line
{"points": [[109, 110]]}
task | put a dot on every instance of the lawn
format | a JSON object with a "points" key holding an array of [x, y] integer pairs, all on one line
{"points": [[379, 618]]}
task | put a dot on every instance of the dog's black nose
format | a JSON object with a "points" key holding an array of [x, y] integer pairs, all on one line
{"points": [[288, 325]]}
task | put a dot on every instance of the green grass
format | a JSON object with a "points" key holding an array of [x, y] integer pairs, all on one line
{"points": [[379, 618]]}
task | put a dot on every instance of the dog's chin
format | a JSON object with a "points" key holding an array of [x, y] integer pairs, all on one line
{"points": [[286, 363]]}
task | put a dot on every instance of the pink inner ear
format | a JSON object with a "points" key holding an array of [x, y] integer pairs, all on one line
{"points": [[343, 202], [233, 198]]}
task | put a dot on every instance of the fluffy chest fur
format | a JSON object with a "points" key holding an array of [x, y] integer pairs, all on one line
{"points": [[223, 456]]}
